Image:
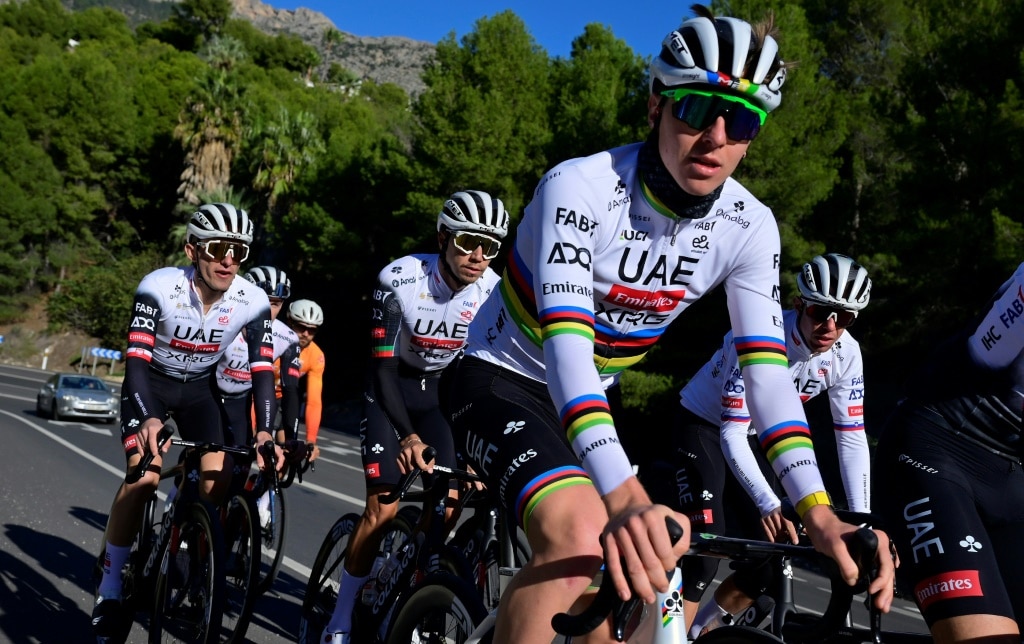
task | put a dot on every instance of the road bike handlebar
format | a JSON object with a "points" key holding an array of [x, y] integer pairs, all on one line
{"points": [[607, 602], [404, 483], [296, 456], [140, 470], [862, 545], [401, 489]]}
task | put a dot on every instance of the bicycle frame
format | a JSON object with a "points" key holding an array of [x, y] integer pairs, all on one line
{"points": [[155, 542], [420, 555]]}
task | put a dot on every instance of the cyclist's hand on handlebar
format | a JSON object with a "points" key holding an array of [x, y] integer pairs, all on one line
{"points": [[778, 528], [313, 452], [411, 456], [149, 433], [829, 535], [261, 440], [474, 485], [636, 543]]}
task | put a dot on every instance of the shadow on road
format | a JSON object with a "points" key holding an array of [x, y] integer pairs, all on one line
{"points": [[33, 608], [92, 518], [276, 611]]}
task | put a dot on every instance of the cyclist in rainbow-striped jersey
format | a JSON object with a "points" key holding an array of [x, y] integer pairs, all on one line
{"points": [[613, 248]]}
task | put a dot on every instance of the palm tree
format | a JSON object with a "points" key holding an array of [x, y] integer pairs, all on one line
{"points": [[210, 125], [282, 147]]}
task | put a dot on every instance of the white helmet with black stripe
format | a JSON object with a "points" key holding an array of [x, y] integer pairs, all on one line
{"points": [[723, 54], [220, 221], [272, 280], [474, 211], [835, 280]]}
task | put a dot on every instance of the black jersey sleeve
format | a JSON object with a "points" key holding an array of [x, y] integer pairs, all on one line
{"points": [[386, 339], [141, 340], [290, 391], [260, 337]]}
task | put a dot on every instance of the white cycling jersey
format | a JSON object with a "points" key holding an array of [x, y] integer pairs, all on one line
{"points": [[170, 334], [997, 342], [418, 319], [975, 380], [598, 271], [233, 374], [717, 393]]}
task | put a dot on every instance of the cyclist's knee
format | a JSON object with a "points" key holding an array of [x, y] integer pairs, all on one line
{"points": [[753, 581], [568, 524], [698, 573], [376, 514], [142, 489]]}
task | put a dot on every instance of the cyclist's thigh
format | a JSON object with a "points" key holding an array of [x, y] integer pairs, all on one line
{"points": [[429, 423], [939, 495], [691, 477], [422, 403], [131, 419], [238, 419], [198, 411], [506, 427], [742, 514], [379, 446]]}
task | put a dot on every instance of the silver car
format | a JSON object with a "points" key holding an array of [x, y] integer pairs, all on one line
{"points": [[72, 396]]}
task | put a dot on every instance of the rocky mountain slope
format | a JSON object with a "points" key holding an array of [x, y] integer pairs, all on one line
{"points": [[384, 60], [390, 59]]}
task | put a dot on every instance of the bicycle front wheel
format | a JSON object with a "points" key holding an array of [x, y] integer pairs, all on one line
{"points": [[189, 593], [442, 608], [324, 580], [241, 567], [273, 535]]}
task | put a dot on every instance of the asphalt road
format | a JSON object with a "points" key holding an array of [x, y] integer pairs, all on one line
{"points": [[56, 483]]}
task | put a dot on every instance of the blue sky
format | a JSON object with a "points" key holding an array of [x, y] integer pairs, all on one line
{"points": [[553, 24]]}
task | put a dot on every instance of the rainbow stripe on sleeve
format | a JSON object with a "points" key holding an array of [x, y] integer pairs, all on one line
{"points": [[548, 482], [583, 412], [516, 288], [761, 349], [779, 439], [559, 320]]}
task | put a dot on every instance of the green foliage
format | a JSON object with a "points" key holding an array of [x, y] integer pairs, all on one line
{"points": [[898, 141], [340, 76], [647, 393], [285, 51], [1008, 239], [206, 18], [484, 119], [98, 299], [600, 96]]}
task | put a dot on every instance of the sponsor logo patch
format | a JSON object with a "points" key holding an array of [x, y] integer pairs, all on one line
{"points": [[948, 585]]}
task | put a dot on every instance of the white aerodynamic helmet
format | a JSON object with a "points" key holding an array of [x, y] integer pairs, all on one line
{"points": [[835, 280], [306, 312], [272, 280], [723, 54], [220, 221], [474, 211]]}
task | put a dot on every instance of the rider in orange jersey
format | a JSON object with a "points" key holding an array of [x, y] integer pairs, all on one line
{"points": [[305, 317]]}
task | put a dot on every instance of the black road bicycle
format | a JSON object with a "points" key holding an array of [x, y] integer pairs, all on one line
{"points": [[422, 592], [194, 571], [273, 526]]}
